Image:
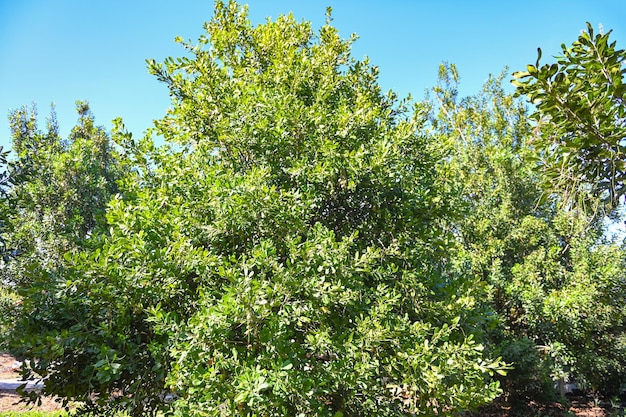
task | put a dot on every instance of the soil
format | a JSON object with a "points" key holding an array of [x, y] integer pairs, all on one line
{"points": [[9, 399], [8, 367], [582, 407]]}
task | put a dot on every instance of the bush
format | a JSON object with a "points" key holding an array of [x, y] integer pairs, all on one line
{"points": [[530, 376]]}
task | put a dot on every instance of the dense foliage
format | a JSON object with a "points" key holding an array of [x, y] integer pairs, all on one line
{"points": [[58, 210], [581, 117], [306, 244], [557, 282], [5, 183], [8, 177], [286, 254], [327, 288]]}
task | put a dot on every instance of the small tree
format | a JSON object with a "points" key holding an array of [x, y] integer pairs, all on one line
{"points": [[327, 287]]}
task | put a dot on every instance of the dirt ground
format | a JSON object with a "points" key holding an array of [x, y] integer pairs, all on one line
{"points": [[9, 399], [8, 367], [579, 407]]}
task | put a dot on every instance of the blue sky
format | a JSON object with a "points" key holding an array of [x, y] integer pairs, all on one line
{"points": [[66, 50]]}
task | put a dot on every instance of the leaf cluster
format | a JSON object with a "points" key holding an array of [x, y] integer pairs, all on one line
{"points": [[580, 116]]}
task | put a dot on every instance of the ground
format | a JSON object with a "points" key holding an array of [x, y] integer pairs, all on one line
{"points": [[578, 407], [8, 398]]}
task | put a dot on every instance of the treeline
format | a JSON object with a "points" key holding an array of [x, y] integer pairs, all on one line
{"points": [[304, 243]]}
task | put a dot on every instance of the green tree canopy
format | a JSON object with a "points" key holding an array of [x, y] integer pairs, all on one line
{"points": [[57, 208], [556, 282], [8, 176], [61, 198]]}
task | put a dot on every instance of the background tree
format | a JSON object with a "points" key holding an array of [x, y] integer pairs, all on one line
{"points": [[581, 118], [284, 254], [57, 209], [62, 200], [9, 175], [5, 182], [557, 283]]}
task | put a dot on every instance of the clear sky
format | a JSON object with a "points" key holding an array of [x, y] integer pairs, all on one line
{"points": [[66, 50]]}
